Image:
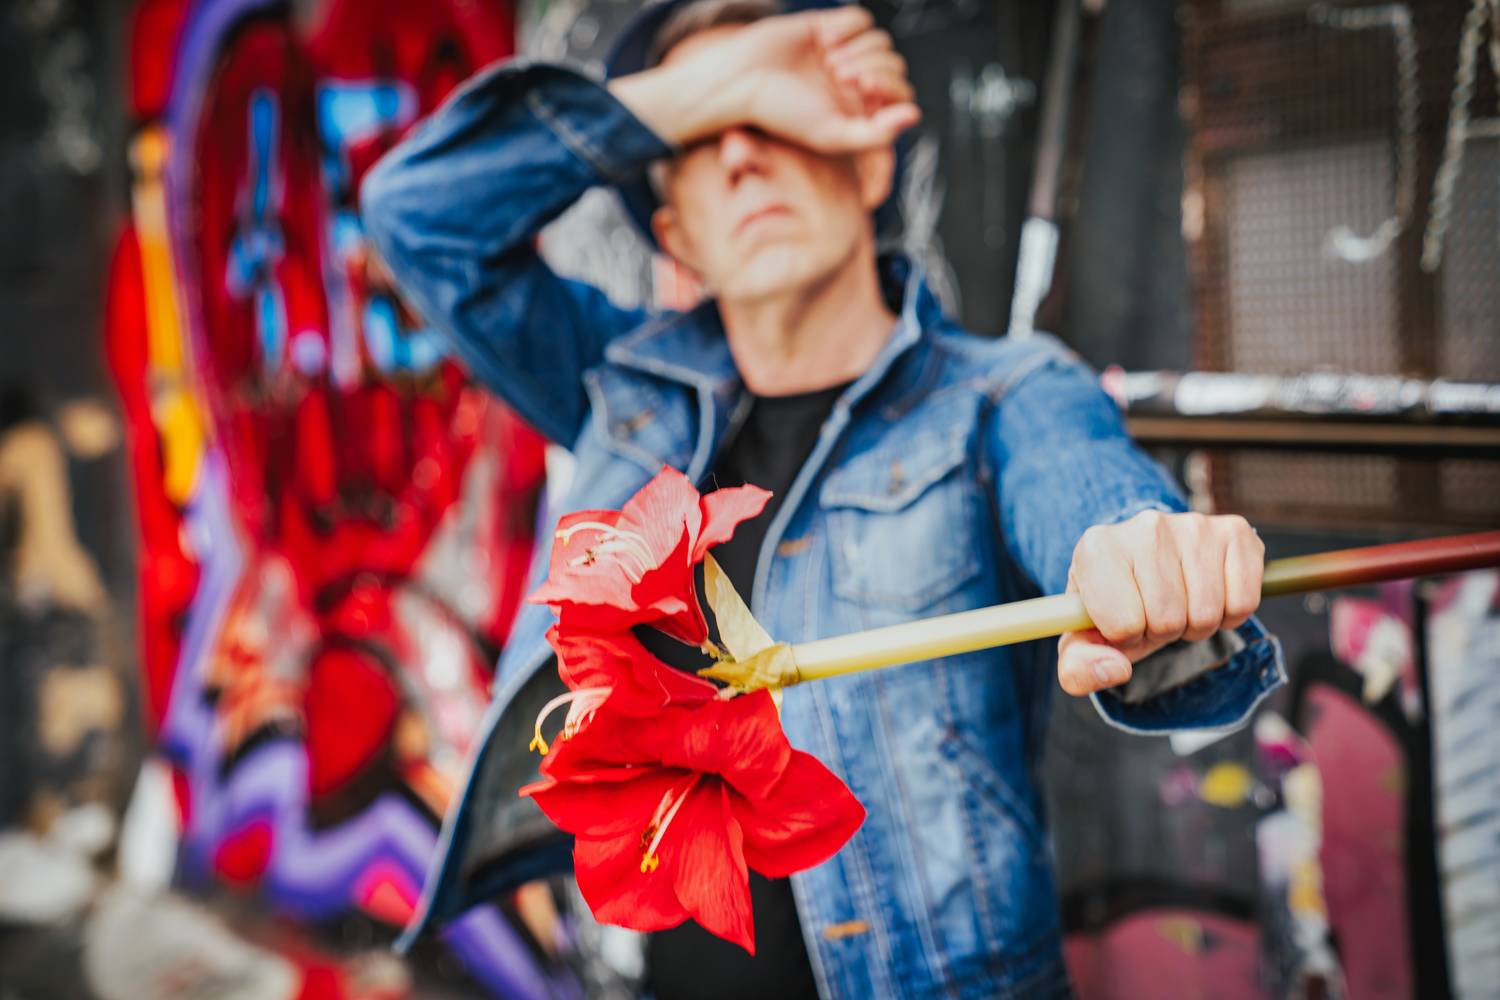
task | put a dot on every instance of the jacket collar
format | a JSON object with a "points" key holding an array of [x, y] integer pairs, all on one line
{"points": [[690, 347]]}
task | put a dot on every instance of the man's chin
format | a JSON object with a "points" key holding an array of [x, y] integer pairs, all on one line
{"points": [[772, 272]]}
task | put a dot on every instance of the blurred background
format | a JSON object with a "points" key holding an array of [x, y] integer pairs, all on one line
{"points": [[262, 538]]}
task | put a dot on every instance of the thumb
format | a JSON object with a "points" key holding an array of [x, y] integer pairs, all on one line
{"points": [[1087, 663]]}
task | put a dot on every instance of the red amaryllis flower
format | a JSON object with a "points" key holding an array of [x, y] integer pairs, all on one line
{"points": [[670, 811], [613, 569], [617, 666]]}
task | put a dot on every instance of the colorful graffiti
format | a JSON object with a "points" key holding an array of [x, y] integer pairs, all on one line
{"points": [[334, 521]]}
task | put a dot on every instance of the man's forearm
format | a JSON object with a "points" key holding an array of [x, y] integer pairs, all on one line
{"points": [[682, 104], [513, 148], [453, 211]]}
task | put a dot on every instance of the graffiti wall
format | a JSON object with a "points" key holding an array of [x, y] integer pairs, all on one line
{"points": [[334, 522], [331, 523]]}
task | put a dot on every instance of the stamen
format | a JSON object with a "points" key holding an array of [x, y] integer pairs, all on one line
{"points": [[563, 534], [615, 540], [582, 704], [666, 811]]}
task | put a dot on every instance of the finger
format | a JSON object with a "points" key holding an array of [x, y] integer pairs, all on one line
{"points": [[874, 62], [1244, 569], [1157, 569], [871, 93], [1107, 586], [1087, 663], [1202, 550], [863, 43], [885, 66], [836, 26], [876, 131]]}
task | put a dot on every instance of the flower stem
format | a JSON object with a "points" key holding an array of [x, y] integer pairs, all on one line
{"points": [[1042, 617]]}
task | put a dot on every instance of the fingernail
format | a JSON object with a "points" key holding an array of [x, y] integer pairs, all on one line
{"points": [[1104, 670]]}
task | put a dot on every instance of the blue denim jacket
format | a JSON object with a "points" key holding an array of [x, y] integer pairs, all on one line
{"points": [[957, 472]]}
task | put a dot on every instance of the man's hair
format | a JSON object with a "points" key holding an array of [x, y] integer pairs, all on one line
{"points": [[700, 15]]}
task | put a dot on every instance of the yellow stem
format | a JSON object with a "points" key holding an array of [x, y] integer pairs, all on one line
{"points": [[1002, 624], [945, 635]]}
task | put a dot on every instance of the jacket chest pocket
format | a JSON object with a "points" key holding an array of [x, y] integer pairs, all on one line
{"points": [[901, 523], [638, 420]]}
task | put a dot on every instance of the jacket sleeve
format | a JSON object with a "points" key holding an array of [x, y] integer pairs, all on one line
{"points": [[453, 211], [1063, 462]]}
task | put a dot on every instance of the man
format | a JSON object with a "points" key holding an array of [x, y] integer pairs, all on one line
{"points": [[917, 470]]}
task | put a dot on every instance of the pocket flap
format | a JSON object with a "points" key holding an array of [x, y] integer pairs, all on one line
{"points": [[891, 476], [638, 419]]}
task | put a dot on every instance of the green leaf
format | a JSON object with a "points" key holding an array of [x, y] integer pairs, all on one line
{"points": [[740, 633], [755, 660]]}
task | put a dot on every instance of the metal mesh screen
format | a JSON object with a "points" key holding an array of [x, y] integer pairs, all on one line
{"points": [[1317, 133], [1469, 347], [1292, 306]]}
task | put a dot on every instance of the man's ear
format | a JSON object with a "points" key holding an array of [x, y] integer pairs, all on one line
{"points": [[666, 226], [875, 169]]}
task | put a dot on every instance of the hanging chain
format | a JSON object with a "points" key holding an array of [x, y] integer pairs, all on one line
{"points": [[1342, 241], [1480, 12]]}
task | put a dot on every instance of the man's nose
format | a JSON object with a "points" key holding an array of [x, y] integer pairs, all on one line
{"points": [[741, 151]]}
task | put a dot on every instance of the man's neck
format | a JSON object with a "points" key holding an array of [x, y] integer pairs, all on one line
{"points": [[818, 336]]}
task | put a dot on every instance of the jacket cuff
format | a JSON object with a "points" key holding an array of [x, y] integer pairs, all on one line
{"points": [[590, 121], [1213, 684]]}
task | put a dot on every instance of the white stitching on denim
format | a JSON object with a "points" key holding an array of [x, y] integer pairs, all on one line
{"points": [[576, 141]]}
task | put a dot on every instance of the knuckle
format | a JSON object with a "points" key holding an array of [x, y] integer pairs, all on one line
{"points": [[1090, 544], [1149, 519], [1120, 626], [1204, 618], [1167, 621], [1242, 607], [1194, 526]]}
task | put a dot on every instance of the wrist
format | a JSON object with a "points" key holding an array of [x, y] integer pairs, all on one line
{"points": [[684, 103]]}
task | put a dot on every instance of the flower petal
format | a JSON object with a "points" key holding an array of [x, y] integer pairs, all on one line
{"points": [[661, 510], [739, 738], [806, 817], [705, 850], [603, 809], [722, 510], [610, 878], [671, 591], [641, 683]]}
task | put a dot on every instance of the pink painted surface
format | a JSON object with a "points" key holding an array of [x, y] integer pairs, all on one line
{"points": [[1167, 954], [1364, 777]]}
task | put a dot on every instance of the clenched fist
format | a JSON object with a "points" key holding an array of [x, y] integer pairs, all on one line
{"points": [[1150, 581]]}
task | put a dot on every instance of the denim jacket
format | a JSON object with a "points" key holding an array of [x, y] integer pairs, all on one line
{"points": [[958, 471]]}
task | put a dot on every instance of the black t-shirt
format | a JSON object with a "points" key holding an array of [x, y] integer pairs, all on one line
{"points": [[687, 961]]}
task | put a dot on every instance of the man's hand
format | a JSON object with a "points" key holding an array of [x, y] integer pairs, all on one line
{"points": [[1150, 581], [828, 80]]}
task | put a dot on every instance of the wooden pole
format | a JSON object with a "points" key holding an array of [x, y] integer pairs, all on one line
{"points": [[1040, 618]]}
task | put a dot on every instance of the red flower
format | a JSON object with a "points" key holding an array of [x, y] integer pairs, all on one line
{"points": [[614, 665], [611, 570], [641, 683], [670, 811]]}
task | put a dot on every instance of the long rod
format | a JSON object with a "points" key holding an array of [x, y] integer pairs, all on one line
{"points": [[1042, 617]]}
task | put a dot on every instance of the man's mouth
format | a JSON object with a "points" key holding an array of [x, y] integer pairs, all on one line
{"points": [[760, 215]]}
